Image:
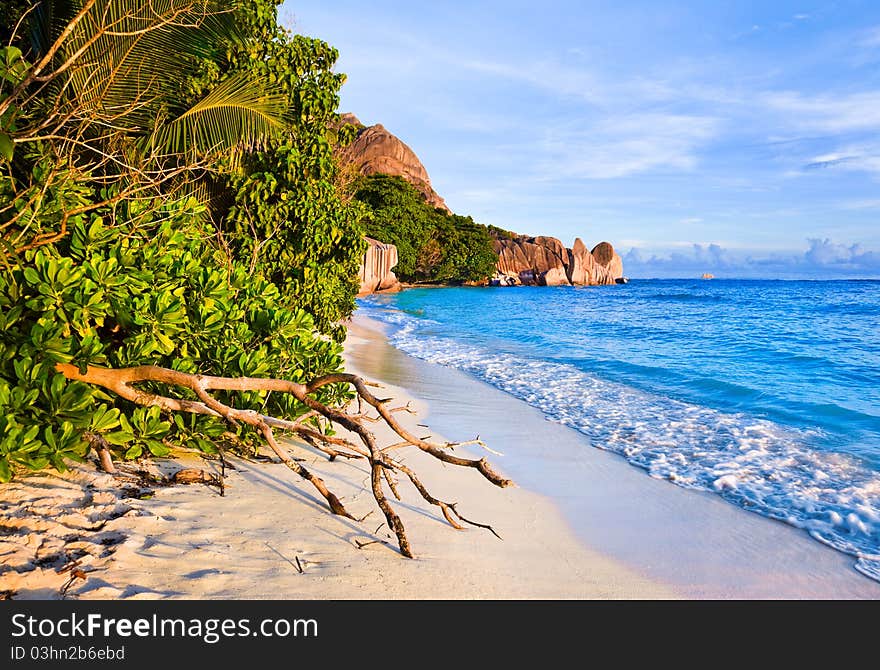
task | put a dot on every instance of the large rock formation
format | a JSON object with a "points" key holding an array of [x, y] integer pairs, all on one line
{"points": [[544, 261], [533, 260], [606, 257], [536, 261], [375, 150], [376, 268]]}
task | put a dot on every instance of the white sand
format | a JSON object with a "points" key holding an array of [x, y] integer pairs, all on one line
{"points": [[51, 524], [697, 543], [188, 542], [582, 524]]}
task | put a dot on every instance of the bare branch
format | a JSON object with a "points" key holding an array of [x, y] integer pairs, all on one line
{"points": [[124, 383]]}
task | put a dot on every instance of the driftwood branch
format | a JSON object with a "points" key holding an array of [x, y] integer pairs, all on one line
{"points": [[102, 448], [124, 382]]}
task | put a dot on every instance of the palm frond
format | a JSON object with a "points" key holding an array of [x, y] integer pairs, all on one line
{"points": [[46, 22], [235, 113], [130, 70]]}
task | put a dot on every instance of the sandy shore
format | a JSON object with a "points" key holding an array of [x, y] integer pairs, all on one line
{"points": [[582, 523], [695, 543], [272, 537]]}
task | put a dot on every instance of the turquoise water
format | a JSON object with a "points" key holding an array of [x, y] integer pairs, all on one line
{"points": [[764, 392]]}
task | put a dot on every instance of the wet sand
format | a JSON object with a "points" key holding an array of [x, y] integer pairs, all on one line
{"points": [[697, 544]]}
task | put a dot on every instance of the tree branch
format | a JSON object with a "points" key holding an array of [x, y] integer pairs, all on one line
{"points": [[124, 381]]}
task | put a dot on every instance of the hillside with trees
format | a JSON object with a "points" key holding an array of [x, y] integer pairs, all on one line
{"points": [[435, 246]]}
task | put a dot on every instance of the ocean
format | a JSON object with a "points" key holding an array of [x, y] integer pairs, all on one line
{"points": [[766, 393]]}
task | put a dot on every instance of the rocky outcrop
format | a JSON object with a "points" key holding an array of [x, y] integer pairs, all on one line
{"points": [[522, 260], [537, 261], [607, 258], [544, 261], [376, 268], [376, 150]]}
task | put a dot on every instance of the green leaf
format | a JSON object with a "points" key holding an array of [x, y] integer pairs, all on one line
{"points": [[12, 67], [104, 418], [166, 345], [5, 470], [58, 462], [120, 437], [133, 452], [6, 147], [205, 445], [157, 448], [123, 422], [234, 112]]}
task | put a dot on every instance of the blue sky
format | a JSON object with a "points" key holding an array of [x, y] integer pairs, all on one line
{"points": [[740, 138]]}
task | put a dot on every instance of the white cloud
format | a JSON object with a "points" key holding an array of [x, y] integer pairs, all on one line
{"points": [[827, 253], [826, 113], [626, 145], [822, 258], [854, 157]]}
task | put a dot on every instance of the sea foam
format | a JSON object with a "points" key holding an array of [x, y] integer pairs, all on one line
{"points": [[757, 464]]}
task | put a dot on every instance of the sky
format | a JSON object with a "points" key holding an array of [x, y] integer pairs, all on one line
{"points": [[739, 138]]}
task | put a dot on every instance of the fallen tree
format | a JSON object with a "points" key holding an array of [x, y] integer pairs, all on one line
{"points": [[383, 465]]}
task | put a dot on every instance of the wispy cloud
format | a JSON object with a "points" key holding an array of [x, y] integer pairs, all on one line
{"points": [[549, 76], [862, 204], [863, 157], [835, 159], [753, 30], [871, 38], [627, 145], [634, 122], [828, 113]]}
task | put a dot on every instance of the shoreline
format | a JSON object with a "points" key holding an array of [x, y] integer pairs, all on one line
{"points": [[271, 537], [693, 541], [580, 524]]}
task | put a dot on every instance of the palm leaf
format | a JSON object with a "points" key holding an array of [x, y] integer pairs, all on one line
{"points": [[126, 66], [46, 22], [235, 113], [131, 77]]}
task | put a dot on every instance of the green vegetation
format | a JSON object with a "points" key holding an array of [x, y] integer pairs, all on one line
{"points": [[497, 233], [432, 245], [167, 197]]}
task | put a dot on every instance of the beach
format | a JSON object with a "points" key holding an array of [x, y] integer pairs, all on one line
{"points": [[272, 537], [580, 523], [693, 542]]}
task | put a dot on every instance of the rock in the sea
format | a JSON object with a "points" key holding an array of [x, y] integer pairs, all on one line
{"points": [[376, 268], [376, 150], [537, 261], [544, 261], [607, 258]]}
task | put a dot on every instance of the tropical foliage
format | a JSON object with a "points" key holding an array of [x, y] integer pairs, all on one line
{"points": [[432, 245], [167, 198]]}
